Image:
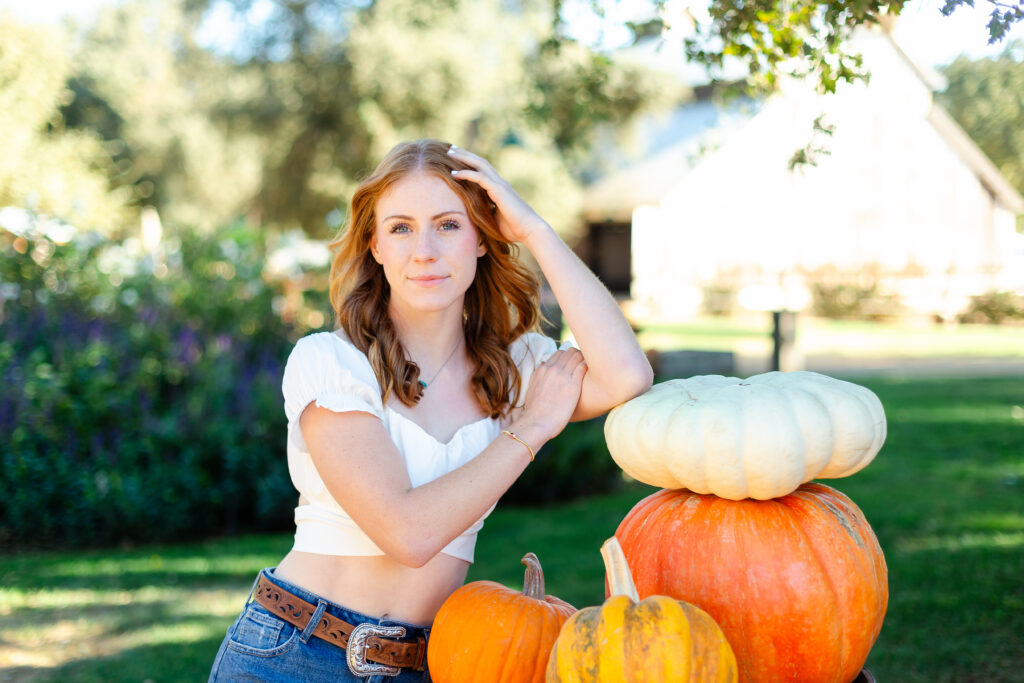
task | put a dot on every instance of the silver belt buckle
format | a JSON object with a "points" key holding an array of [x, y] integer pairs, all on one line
{"points": [[355, 652]]}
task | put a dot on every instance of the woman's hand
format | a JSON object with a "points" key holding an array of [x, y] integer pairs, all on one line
{"points": [[516, 219], [554, 391]]}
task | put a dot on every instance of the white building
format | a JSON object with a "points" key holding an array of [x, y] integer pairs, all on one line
{"points": [[903, 199]]}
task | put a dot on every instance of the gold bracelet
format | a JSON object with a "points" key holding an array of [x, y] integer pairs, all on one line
{"points": [[505, 431]]}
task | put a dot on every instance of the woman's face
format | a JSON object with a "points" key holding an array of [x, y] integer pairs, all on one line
{"points": [[426, 244]]}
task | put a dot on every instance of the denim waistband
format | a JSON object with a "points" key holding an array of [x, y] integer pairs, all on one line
{"points": [[412, 631]]}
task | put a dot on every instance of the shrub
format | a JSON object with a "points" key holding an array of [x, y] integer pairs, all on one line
{"points": [[846, 301], [140, 397], [994, 308], [718, 299], [576, 463]]}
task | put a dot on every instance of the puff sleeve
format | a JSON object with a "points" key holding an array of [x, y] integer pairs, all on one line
{"points": [[529, 351], [328, 370]]}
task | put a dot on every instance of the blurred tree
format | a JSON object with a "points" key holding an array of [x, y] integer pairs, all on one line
{"points": [[1003, 14], [363, 76], [153, 94], [281, 119], [986, 97], [44, 165], [786, 37], [486, 74]]}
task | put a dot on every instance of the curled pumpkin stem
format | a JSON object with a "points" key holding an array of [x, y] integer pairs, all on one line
{"points": [[620, 579], [533, 578]]}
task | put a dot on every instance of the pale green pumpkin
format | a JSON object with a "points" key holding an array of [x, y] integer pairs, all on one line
{"points": [[760, 437]]}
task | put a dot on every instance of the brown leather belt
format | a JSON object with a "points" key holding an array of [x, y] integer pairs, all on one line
{"points": [[374, 648]]}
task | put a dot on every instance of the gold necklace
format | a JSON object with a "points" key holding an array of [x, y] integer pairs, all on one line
{"points": [[457, 345]]}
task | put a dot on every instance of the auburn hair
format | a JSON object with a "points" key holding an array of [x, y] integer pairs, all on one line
{"points": [[500, 304]]}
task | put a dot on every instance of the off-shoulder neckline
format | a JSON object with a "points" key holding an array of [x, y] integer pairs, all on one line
{"points": [[422, 430], [409, 420]]}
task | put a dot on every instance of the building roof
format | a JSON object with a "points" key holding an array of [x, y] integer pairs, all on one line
{"points": [[646, 182], [672, 146], [975, 159]]}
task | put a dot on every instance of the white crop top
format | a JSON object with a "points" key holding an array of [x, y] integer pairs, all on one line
{"points": [[327, 368]]}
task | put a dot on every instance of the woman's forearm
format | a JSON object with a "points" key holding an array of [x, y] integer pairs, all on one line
{"points": [[425, 519], [364, 471], [618, 369]]}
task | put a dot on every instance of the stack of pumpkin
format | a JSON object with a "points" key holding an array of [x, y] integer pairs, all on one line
{"points": [[789, 571]]}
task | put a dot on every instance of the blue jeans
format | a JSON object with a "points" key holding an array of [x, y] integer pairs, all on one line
{"points": [[261, 647]]}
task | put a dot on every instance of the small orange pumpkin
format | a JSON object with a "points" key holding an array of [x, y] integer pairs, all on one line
{"points": [[633, 640], [487, 633]]}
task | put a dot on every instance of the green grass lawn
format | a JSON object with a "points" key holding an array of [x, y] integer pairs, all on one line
{"points": [[945, 497]]}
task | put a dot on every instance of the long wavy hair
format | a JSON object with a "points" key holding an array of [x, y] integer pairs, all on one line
{"points": [[500, 305]]}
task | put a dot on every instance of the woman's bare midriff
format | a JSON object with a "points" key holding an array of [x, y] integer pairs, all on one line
{"points": [[377, 585]]}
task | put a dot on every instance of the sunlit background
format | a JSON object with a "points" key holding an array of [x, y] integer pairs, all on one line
{"points": [[935, 39], [171, 172]]}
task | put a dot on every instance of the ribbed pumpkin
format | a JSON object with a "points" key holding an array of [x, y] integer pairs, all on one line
{"points": [[759, 437], [487, 633], [798, 584], [629, 640]]}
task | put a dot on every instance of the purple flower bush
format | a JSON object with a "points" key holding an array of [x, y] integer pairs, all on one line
{"points": [[140, 393]]}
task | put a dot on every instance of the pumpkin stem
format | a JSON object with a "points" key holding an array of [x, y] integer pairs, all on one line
{"points": [[620, 579], [533, 579]]}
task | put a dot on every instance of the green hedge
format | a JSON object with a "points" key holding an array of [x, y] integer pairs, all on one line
{"points": [[140, 395], [994, 308], [575, 464], [853, 302]]}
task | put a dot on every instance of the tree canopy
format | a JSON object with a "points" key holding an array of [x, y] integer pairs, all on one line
{"points": [[280, 122], [986, 97], [792, 37], [44, 166], [270, 111]]}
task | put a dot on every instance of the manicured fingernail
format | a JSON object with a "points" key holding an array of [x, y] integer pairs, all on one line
{"points": [[452, 148], [455, 171]]}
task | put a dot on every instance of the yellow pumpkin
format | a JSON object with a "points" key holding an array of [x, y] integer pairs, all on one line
{"points": [[633, 641]]}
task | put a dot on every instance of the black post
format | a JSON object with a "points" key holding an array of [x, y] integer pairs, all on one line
{"points": [[783, 337]]}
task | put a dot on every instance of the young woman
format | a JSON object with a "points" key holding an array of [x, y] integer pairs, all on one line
{"points": [[409, 422]]}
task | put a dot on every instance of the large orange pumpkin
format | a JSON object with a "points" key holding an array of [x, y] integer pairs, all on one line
{"points": [[798, 583], [487, 633], [628, 640]]}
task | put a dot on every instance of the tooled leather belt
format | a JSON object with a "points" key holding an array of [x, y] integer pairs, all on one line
{"points": [[369, 642]]}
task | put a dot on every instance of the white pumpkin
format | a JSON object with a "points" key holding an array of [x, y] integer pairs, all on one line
{"points": [[759, 437]]}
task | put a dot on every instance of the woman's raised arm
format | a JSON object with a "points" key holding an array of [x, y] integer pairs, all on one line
{"points": [[618, 369]]}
